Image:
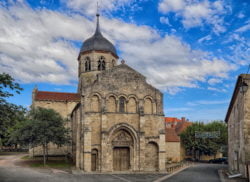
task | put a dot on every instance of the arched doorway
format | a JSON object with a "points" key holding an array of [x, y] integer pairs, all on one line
{"points": [[122, 145], [151, 156], [94, 160]]}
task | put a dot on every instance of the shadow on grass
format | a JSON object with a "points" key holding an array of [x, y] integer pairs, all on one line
{"points": [[12, 153], [53, 162]]}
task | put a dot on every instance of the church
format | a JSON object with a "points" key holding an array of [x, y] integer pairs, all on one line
{"points": [[117, 118]]}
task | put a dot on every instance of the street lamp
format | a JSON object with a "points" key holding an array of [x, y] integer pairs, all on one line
{"points": [[243, 87]]}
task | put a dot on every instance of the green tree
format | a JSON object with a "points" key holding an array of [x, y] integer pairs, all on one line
{"points": [[42, 127], [209, 146], [10, 113]]}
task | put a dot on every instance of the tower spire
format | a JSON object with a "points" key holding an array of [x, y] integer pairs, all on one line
{"points": [[97, 31]]}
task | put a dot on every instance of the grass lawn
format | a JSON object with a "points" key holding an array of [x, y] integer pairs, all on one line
{"points": [[53, 162], [12, 153]]}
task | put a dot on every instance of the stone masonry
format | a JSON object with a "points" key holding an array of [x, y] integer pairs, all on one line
{"points": [[238, 121]]}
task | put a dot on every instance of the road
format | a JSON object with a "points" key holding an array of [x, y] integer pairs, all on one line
{"points": [[198, 173], [9, 172]]}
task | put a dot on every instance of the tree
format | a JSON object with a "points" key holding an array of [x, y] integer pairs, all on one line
{"points": [[42, 126], [204, 145], [10, 113]]}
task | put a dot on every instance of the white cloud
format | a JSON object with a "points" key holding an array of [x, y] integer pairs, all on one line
{"points": [[165, 20], [244, 28], [217, 89], [178, 109], [241, 15], [207, 102], [214, 81], [37, 46], [206, 38], [197, 13], [166, 6], [89, 7]]}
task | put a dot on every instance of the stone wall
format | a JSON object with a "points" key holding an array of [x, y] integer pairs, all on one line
{"points": [[173, 151], [238, 120], [64, 109], [119, 100]]}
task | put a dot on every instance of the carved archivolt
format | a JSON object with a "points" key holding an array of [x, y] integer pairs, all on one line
{"points": [[122, 138]]}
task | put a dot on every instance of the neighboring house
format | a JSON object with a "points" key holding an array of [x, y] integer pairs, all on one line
{"points": [[173, 146], [238, 122], [61, 102], [117, 118], [175, 151], [171, 122]]}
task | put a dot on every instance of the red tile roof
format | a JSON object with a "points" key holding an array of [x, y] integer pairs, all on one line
{"points": [[180, 127], [56, 96], [171, 135], [172, 119]]}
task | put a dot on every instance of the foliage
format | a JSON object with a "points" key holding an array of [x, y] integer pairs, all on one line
{"points": [[7, 82], [10, 114], [208, 146], [42, 126]]}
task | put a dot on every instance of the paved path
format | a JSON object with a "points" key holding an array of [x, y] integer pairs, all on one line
{"points": [[9, 172], [198, 173]]}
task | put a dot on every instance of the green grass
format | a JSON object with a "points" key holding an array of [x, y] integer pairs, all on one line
{"points": [[52, 164], [26, 157]]}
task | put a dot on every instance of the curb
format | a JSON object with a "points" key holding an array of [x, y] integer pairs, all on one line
{"points": [[222, 179]]}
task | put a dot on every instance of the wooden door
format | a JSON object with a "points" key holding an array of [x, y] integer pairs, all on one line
{"points": [[94, 160], [121, 159]]}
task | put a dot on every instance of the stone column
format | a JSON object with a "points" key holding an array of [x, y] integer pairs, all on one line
{"points": [[78, 139], [162, 151], [142, 143], [87, 149]]}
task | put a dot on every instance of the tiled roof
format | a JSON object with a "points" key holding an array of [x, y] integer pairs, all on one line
{"points": [[171, 135], [56, 96], [180, 127], [172, 119]]}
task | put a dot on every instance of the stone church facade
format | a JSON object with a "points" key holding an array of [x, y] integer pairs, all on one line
{"points": [[118, 122]]}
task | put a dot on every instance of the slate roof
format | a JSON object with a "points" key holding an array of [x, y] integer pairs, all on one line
{"points": [[97, 42], [56, 96]]}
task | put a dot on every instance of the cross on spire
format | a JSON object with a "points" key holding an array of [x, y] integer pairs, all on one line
{"points": [[97, 9], [97, 31]]}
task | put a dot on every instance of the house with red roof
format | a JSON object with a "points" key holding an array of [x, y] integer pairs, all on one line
{"points": [[174, 127]]}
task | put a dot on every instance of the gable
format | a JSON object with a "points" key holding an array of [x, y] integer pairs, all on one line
{"points": [[122, 71]]}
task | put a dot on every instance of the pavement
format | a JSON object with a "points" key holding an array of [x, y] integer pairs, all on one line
{"points": [[224, 177], [9, 172], [201, 172]]}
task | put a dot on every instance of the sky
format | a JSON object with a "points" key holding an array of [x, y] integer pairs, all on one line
{"points": [[191, 50]]}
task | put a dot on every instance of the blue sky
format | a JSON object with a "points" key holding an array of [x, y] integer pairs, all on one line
{"points": [[192, 50]]}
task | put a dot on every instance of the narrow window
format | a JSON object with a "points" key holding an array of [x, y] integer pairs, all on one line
{"points": [[113, 63], [101, 64], [87, 64], [122, 104]]}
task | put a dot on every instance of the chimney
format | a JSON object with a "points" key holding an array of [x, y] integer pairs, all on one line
{"points": [[183, 119]]}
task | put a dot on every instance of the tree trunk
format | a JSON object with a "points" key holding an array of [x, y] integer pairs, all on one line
{"points": [[47, 155], [44, 155]]}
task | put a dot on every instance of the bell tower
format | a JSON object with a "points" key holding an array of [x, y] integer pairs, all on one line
{"points": [[97, 54]]}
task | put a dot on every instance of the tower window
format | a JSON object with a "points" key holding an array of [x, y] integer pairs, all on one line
{"points": [[101, 64], [87, 64], [122, 104], [113, 63]]}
